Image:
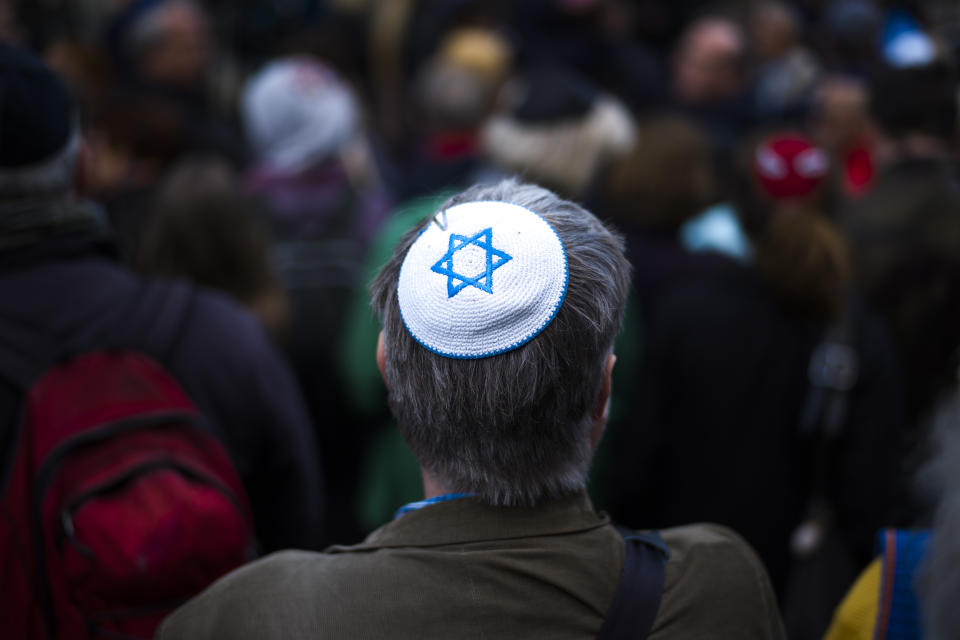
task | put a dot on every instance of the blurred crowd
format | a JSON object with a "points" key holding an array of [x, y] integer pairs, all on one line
{"points": [[784, 173]]}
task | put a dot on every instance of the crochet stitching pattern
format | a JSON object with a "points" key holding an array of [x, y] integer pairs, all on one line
{"points": [[484, 281]]}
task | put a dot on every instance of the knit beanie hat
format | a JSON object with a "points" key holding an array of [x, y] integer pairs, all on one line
{"points": [[297, 113], [789, 166], [38, 134], [39, 146], [481, 51]]}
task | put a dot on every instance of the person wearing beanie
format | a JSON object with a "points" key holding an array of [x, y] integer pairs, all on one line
{"points": [[559, 130], [321, 197], [499, 313], [60, 278], [39, 150]]}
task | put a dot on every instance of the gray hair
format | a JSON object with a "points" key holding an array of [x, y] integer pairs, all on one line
{"points": [[151, 27], [512, 428]]}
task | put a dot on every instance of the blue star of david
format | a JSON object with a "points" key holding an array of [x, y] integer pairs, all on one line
{"points": [[457, 282]]}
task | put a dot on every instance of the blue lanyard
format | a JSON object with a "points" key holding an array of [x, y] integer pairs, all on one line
{"points": [[420, 504]]}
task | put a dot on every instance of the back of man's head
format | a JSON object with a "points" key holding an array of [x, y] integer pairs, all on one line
{"points": [[169, 42], [916, 100], [39, 140], [496, 391], [708, 62]]}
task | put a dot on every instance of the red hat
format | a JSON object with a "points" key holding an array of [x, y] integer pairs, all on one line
{"points": [[788, 165]]}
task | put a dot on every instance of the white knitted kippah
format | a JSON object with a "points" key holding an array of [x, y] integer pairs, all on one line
{"points": [[481, 279]]}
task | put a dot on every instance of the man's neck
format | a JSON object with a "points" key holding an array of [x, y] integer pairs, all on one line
{"points": [[431, 487]]}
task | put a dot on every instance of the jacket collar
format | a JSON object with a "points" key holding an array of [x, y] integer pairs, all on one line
{"points": [[57, 248], [469, 520], [33, 221]]}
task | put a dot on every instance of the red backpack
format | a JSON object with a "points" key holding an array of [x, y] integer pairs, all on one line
{"points": [[117, 505]]}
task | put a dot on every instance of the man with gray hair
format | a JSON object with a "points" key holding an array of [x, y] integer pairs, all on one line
{"points": [[499, 315]]}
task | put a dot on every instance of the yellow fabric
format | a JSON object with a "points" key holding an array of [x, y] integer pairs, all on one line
{"points": [[856, 616]]}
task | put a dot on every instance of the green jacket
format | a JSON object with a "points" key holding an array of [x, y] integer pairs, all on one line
{"points": [[461, 569]]}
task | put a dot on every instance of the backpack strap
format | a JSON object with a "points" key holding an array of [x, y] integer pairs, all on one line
{"points": [[833, 372], [162, 307], [637, 599], [25, 353]]}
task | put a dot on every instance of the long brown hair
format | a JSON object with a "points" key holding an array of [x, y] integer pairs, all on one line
{"points": [[806, 260], [203, 228], [665, 179], [799, 251]]}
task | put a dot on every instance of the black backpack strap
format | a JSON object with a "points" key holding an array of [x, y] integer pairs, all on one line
{"points": [[155, 320], [25, 353], [637, 599], [833, 372], [170, 309]]}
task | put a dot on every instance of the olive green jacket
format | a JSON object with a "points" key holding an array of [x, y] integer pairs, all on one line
{"points": [[460, 569]]}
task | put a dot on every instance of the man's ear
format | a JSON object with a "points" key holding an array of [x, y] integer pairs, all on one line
{"points": [[382, 359], [601, 407]]}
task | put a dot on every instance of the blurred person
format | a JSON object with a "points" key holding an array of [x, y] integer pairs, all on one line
{"points": [[83, 67], [709, 82], [905, 232], [708, 64], [595, 39], [166, 50], [204, 229], [450, 97], [310, 164], [455, 92], [172, 44], [850, 31], [910, 590], [11, 30], [503, 414], [402, 36], [60, 277], [558, 130], [154, 111], [314, 176], [130, 143], [666, 179], [840, 121], [724, 394], [650, 192], [787, 71]]}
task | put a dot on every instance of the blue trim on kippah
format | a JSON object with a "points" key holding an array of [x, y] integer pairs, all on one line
{"points": [[522, 341], [420, 504]]}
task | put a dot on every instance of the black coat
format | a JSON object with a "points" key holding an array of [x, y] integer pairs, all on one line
{"points": [[712, 433]]}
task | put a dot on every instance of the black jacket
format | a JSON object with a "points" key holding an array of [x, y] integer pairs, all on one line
{"points": [[69, 289], [713, 430]]}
